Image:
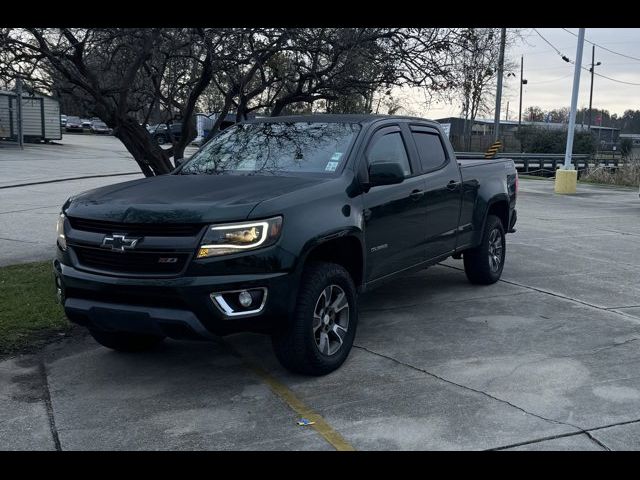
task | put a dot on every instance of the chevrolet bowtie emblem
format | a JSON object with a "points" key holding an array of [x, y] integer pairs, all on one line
{"points": [[119, 243]]}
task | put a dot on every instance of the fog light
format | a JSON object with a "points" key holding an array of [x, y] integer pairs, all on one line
{"points": [[245, 298], [236, 303]]}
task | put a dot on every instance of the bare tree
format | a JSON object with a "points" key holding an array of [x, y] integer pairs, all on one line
{"points": [[127, 76], [104, 68], [477, 67]]}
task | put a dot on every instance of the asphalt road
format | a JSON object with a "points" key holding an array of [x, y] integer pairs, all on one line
{"points": [[547, 358]]}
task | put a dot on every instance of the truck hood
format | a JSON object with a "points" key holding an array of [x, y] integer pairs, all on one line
{"points": [[183, 198]]}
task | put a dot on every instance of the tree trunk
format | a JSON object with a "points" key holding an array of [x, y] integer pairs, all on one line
{"points": [[223, 114], [151, 159], [277, 108]]}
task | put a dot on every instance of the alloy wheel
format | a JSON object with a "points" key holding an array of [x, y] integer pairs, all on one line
{"points": [[331, 319]]}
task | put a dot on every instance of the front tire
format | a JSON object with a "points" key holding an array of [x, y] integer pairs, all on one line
{"points": [[483, 265], [125, 342], [319, 336]]}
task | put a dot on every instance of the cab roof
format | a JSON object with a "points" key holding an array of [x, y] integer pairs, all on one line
{"points": [[337, 118]]}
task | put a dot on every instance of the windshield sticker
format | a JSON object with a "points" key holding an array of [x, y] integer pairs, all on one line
{"points": [[331, 166], [336, 156]]}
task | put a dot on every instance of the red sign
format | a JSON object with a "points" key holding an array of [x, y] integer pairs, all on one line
{"points": [[599, 120]]}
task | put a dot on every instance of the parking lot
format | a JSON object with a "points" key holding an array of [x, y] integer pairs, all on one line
{"points": [[34, 183], [547, 358]]}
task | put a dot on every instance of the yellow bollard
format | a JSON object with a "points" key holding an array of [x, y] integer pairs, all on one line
{"points": [[566, 181]]}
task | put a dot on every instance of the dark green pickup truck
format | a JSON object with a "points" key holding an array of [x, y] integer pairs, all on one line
{"points": [[274, 226]]}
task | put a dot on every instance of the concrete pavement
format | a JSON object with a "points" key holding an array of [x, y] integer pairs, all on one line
{"points": [[544, 359], [75, 155], [28, 214]]}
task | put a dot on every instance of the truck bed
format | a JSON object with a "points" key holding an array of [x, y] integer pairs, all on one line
{"points": [[473, 162]]}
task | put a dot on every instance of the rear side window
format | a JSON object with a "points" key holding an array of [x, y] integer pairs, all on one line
{"points": [[390, 148], [430, 150]]}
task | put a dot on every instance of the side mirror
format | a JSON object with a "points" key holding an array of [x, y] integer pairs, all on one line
{"points": [[385, 173]]}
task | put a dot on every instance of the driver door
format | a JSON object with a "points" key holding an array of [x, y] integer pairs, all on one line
{"points": [[394, 215]]}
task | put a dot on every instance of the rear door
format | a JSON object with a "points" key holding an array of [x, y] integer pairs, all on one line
{"points": [[442, 191], [394, 215]]}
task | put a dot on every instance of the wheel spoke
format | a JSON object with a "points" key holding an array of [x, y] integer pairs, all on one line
{"points": [[324, 343], [340, 302], [326, 294], [317, 322], [339, 332]]}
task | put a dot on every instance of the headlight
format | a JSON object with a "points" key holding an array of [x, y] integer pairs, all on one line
{"points": [[62, 240], [237, 237]]}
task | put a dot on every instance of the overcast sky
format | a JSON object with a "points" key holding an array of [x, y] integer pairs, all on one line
{"points": [[550, 78]]}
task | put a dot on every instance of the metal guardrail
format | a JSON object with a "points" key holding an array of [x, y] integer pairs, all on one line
{"points": [[544, 162]]}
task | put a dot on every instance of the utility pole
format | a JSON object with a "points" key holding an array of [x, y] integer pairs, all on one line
{"points": [[593, 65], [506, 115], [522, 82], [19, 113], [496, 126]]}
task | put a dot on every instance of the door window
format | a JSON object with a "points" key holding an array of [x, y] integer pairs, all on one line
{"points": [[390, 148], [430, 150]]}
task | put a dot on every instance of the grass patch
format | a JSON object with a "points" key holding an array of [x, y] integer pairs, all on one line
{"points": [[29, 312]]}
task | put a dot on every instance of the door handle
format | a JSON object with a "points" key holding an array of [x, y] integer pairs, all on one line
{"points": [[453, 185], [416, 194]]}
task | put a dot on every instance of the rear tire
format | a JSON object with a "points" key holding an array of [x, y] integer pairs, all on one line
{"points": [[319, 336], [124, 341], [483, 265]]}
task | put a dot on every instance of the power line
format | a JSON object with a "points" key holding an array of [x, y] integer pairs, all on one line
{"points": [[604, 76], [613, 79], [604, 48], [553, 80], [566, 59]]}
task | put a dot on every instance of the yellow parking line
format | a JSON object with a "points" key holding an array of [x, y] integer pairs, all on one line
{"points": [[336, 440]]}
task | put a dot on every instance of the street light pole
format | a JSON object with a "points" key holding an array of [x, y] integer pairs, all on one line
{"points": [[574, 101], [19, 113], [567, 176], [496, 126], [592, 69], [521, 83]]}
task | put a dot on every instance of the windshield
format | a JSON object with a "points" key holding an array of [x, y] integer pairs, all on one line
{"points": [[274, 148]]}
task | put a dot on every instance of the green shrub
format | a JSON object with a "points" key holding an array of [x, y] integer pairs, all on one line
{"points": [[541, 140]]}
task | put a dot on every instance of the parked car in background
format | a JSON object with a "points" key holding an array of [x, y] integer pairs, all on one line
{"points": [[63, 120], [98, 126], [86, 123], [74, 124], [162, 132]]}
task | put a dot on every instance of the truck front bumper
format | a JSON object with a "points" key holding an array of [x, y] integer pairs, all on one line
{"points": [[182, 307]]}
